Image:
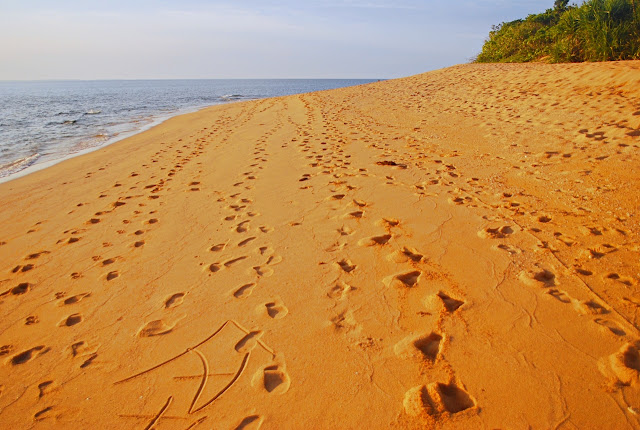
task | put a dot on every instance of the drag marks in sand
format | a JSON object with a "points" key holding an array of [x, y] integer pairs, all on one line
{"points": [[273, 376]]}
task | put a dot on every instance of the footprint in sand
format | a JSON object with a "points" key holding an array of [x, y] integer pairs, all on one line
{"points": [[22, 269], [252, 422], [625, 280], [244, 291], [28, 355], [156, 328], [544, 219], [340, 290], [406, 279], [336, 247], [273, 378], [74, 299], [18, 290], [375, 240], [247, 343], [512, 250], [48, 413], [405, 254], [89, 359], [108, 261], [217, 248], [389, 222], [345, 231], [612, 326], [346, 322], [589, 307], [355, 214], [436, 399], [174, 300], [234, 261], [6, 349], [625, 364], [450, 304], [426, 347], [263, 272], [112, 275], [540, 278], [265, 250], [459, 200], [429, 345], [71, 320], [36, 255], [559, 295], [242, 227], [82, 349], [273, 260], [583, 272], [276, 309], [46, 387], [246, 241], [496, 232], [346, 265]]}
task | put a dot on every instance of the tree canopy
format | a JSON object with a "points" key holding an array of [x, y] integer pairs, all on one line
{"points": [[597, 30]]}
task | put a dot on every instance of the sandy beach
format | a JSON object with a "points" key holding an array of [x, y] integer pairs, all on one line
{"points": [[456, 249]]}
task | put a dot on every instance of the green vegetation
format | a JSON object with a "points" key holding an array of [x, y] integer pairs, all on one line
{"points": [[598, 30]]}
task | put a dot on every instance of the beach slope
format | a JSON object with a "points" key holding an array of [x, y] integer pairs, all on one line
{"points": [[457, 249]]}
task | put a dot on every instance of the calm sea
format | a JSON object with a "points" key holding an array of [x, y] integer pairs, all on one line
{"points": [[42, 122]]}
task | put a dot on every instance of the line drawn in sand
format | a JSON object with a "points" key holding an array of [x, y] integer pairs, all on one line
{"points": [[250, 340]]}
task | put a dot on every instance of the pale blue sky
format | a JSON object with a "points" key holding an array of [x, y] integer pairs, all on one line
{"points": [[143, 39]]}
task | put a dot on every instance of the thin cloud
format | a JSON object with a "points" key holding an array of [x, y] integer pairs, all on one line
{"points": [[372, 5], [259, 39]]}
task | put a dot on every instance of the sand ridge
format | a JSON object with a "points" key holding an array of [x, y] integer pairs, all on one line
{"points": [[456, 249]]}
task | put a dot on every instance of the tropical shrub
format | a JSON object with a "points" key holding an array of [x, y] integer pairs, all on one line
{"points": [[598, 30]]}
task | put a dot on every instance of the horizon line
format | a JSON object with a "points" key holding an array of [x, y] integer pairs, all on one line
{"points": [[184, 79]]}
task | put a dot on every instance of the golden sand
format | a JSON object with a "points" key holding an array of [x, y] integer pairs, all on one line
{"points": [[457, 249]]}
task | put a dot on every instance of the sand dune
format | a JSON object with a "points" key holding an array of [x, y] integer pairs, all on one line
{"points": [[457, 249]]}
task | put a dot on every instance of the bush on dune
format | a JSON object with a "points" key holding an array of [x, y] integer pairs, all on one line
{"points": [[598, 30]]}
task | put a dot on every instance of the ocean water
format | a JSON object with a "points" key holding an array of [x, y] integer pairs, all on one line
{"points": [[42, 122]]}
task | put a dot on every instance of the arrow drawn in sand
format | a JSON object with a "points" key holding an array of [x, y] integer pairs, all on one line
{"points": [[193, 408]]}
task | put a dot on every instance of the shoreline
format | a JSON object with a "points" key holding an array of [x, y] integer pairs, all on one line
{"points": [[456, 249], [162, 94], [154, 122]]}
